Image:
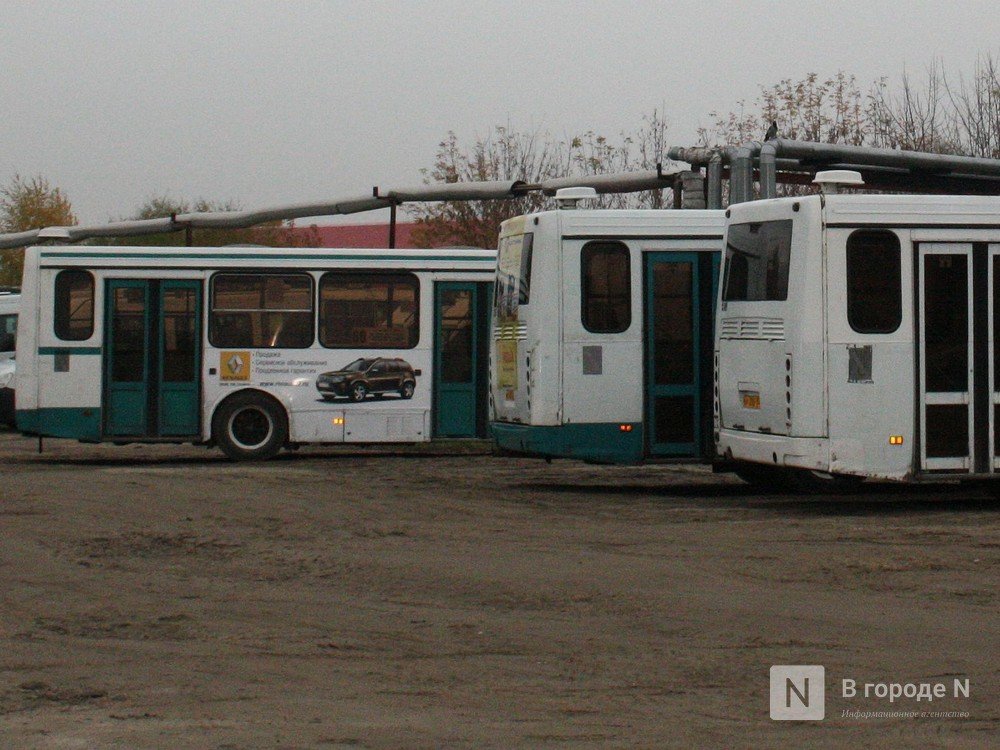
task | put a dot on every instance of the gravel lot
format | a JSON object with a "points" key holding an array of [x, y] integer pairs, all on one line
{"points": [[160, 596]]}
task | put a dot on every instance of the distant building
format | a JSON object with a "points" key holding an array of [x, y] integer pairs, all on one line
{"points": [[359, 235]]}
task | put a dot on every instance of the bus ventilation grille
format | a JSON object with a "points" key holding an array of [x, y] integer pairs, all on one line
{"points": [[753, 328], [510, 332]]}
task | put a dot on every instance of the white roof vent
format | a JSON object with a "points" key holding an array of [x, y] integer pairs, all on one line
{"points": [[830, 181], [567, 198]]}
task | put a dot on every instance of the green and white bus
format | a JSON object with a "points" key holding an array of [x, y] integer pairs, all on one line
{"points": [[602, 334], [227, 346]]}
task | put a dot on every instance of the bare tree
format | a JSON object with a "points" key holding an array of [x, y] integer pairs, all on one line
{"points": [[830, 110], [915, 119], [976, 105], [535, 156], [652, 144], [593, 154], [273, 234], [503, 155], [824, 111]]}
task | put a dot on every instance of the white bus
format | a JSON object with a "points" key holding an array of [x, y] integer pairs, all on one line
{"points": [[602, 334], [856, 338], [253, 349]]}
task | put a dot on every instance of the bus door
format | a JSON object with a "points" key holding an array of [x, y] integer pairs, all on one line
{"points": [[993, 362], [679, 301], [954, 414], [461, 341], [152, 334]]}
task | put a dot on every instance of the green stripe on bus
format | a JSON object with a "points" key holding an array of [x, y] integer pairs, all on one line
{"points": [[599, 442], [64, 422], [69, 350]]}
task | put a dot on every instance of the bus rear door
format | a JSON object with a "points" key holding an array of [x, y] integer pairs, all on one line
{"points": [[679, 300]]}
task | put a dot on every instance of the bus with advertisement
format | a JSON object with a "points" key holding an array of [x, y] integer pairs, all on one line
{"points": [[253, 349]]}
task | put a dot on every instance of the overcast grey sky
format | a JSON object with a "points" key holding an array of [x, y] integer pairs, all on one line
{"points": [[273, 102]]}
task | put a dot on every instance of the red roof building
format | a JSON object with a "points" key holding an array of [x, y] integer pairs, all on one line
{"points": [[360, 235]]}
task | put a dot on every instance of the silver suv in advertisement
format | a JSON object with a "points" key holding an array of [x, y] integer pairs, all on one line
{"points": [[377, 377]]}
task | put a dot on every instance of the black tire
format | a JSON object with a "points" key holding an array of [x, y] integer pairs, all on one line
{"points": [[250, 426], [357, 392], [803, 481], [406, 390], [761, 476], [7, 407]]}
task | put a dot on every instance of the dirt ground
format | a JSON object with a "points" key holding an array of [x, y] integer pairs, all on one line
{"points": [[160, 596]]}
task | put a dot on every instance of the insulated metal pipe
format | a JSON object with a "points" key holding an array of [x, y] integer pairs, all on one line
{"points": [[806, 152], [741, 175], [715, 180], [451, 191], [693, 155], [768, 170], [623, 182]]}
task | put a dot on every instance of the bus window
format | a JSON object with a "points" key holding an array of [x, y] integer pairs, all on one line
{"points": [[180, 341], [874, 282], [8, 332], [261, 311], [606, 294], [358, 310], [74, 305], [757, 256], [128, 335], [457, 335]]}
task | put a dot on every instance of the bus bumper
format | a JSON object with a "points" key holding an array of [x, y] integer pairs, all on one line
{"points": [[774, 450]]}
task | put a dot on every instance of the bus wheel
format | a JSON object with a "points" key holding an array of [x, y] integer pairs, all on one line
{"points": [[250, 426], [358, 392], [802, 481], [761, 476], [406, 391]]}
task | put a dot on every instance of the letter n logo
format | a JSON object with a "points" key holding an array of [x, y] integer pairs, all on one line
{"points": [[798, 693]]}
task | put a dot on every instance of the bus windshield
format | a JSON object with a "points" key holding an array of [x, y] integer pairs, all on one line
{"points": [[513, 276], [757, 256]]}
